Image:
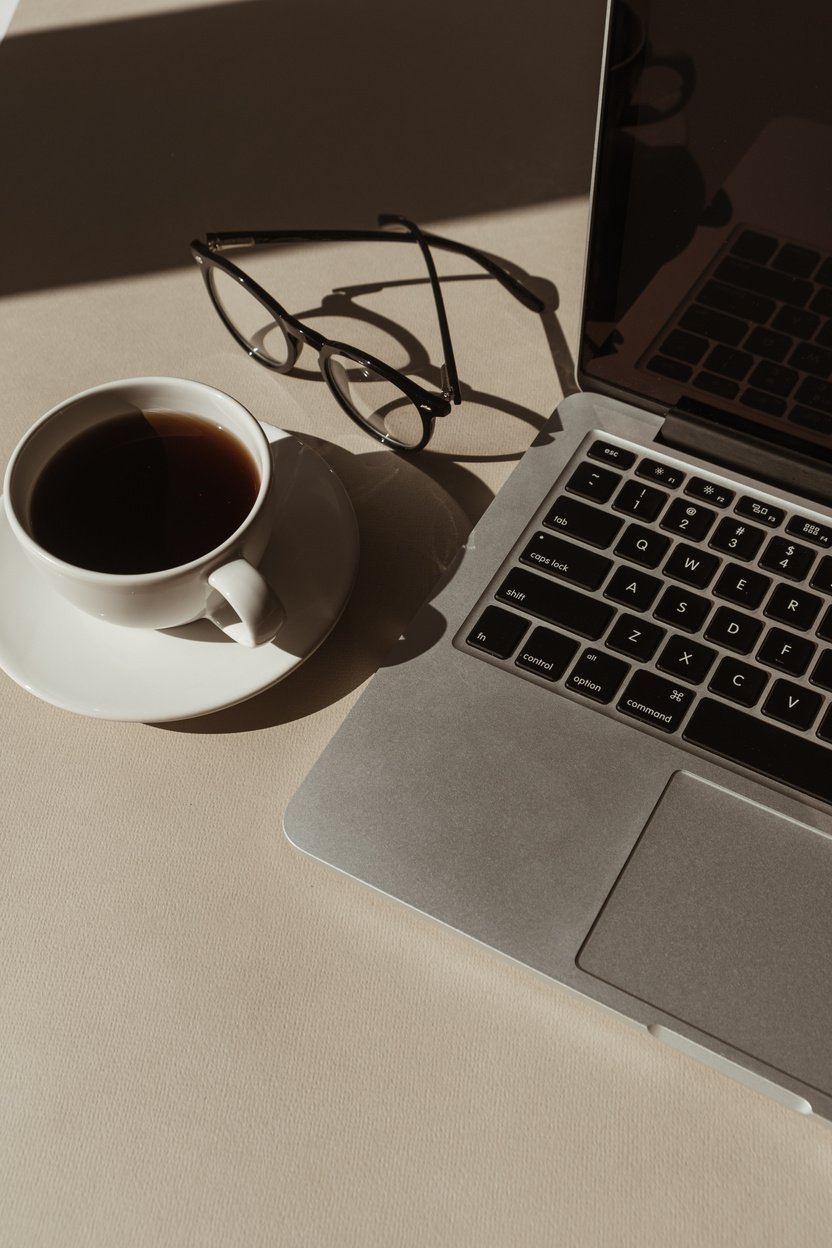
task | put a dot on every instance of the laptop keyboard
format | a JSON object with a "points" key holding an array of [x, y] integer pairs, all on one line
{"points": [[758, 331], [690, 607]]}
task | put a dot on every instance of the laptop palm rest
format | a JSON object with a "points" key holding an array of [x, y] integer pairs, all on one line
{"points": [[721, 920]]}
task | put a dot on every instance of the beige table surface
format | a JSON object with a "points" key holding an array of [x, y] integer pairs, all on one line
{"points": [[206, 1039]]}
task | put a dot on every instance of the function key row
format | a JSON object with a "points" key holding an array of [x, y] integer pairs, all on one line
{"points": [[599, 487]]}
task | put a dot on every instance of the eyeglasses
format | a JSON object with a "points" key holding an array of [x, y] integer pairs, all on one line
{"points": [[383, 401]]}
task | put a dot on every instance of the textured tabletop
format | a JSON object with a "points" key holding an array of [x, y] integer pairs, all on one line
{"points": [[205, 1038]]}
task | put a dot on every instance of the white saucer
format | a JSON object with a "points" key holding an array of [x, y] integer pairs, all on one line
{"points": [[83, 664]]}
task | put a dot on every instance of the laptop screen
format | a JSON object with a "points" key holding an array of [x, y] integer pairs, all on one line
{"points": [[709, 277]]}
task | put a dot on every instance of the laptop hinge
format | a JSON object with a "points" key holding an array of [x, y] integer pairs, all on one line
{"points": [[779, 466]]}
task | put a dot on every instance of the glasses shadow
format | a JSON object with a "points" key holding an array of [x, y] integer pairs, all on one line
{"points": [[414, 513]]}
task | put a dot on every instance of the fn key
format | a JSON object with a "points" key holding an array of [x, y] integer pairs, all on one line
{"points": [[497, 632]]}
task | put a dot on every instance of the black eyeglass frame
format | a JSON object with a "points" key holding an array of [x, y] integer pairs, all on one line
{"points": [[430, 405]]}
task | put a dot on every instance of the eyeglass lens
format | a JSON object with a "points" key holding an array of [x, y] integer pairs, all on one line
{"points": [[376, 401], [250, 318]]}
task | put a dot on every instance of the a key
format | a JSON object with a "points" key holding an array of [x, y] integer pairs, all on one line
{"points": [[682, 608], [691, 565], [688, 659], [786, 651], [555, 603], [579, 520], [497, 632], [762, 747], [597, 484], [597, 675], [733, 630], [656, 701], [642, 546], [633, 588], [639, 639], [566, 560], [793, 606], [740, 682], [547, 653], [792, 705]]}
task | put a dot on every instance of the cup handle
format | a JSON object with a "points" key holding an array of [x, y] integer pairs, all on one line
{"points": [[256, 613]]}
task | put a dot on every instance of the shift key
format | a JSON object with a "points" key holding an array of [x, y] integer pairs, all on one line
{"points": [[555, 603]]}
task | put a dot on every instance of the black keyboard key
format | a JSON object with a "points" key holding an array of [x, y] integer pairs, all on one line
{"points": [[822, 303], [752, 245], [714, 384], [609, 453], [756, 509], [687, 659], [656, 701], [798, 762], [810, 531], [815, 392], [739, 682], [587, 524], [733, 630], [662, 474], [786, 651], [824, 629], [779, 286], [825, 334], [597, 675], [776, 378], [674, 369], [822, 575], [787, 558], [769, 343], [498, 632], [596, 484], [797, 322], [792, 704], [729, 362], [683, 609], [793, 606], [822, 671], [810, 358], [635, 499], [825, 726], [556, 604], [547, 653], [566, 560], [680, 345], [689, 519], [742, 586], [743, 303], [798, 261], [691, 565], [709, 492], [824, 273], [639, 639], [632, 588], [715, 325], [734, 537], [762, 402], [810, 419], [642, 546]]}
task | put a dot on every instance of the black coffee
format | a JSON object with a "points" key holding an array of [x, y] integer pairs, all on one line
{"points": [[143, 492]]}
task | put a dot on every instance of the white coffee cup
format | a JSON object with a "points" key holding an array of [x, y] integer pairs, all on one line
{"points": [[223, 584]]}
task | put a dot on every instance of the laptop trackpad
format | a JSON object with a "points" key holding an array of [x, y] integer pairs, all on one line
{"points": [[721, 919]]}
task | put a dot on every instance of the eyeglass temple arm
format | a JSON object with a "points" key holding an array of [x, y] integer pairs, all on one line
{"points": [[230, 240], [450, 379]]}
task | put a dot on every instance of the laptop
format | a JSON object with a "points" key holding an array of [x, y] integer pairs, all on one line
{"points": [[614, 766]]}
